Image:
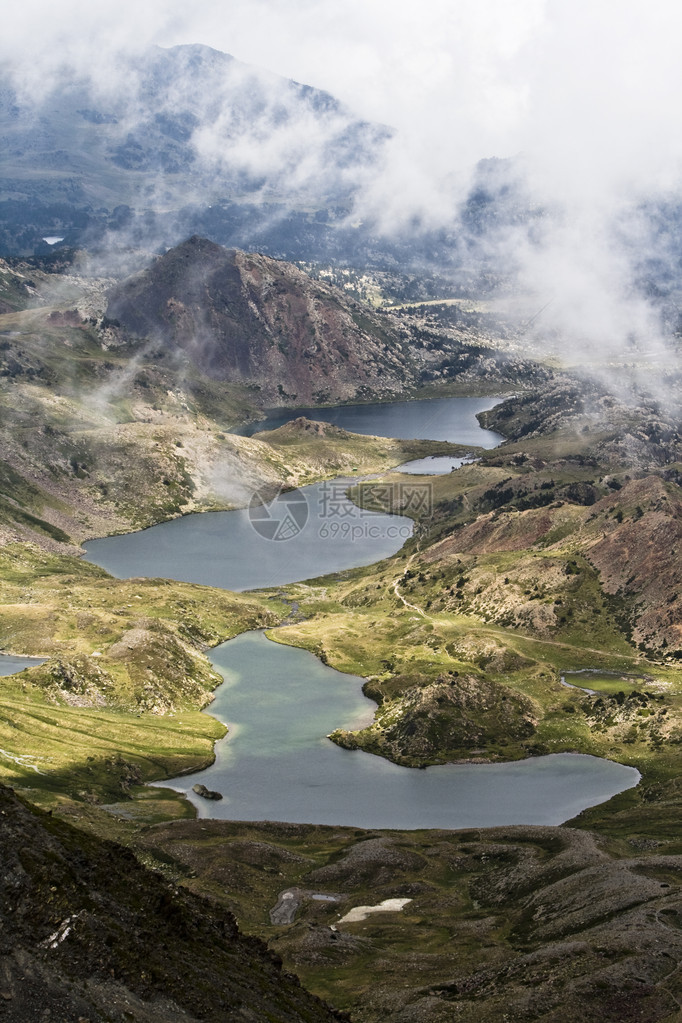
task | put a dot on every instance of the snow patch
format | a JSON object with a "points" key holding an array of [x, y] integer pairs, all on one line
{"points": [[362, 912]]}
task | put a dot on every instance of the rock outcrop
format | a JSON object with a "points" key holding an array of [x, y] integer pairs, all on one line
{"points": [[87, 932], [249, 319], [205, 793]]}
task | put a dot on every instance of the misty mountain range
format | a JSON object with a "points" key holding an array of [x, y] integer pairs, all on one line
{"points": [[136, 335], [189, 140], [167, 137], [148, 151]]}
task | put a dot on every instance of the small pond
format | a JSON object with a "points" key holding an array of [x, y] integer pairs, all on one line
{"points": [[433, 465], [10, 665]]}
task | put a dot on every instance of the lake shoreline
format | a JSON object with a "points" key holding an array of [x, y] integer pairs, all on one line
{"points": [[226, 775], [474, 763]]}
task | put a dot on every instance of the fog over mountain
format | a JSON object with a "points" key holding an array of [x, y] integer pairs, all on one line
{"points": [[578, 103], [173, 133], [188, 122]]}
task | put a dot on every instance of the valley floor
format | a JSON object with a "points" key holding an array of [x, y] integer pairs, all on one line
{"points": [[555, 553]]}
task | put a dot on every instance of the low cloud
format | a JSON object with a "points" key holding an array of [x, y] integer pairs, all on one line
{"points": [[582, 98]]}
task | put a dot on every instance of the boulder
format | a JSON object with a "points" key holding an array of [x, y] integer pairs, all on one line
{"points": [[205, 793]]}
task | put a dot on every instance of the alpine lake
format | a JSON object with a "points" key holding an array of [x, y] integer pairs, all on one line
{"points": [[279, 703]]}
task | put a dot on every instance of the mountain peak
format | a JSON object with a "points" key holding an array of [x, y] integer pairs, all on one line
{"points": [[246, 318], [178, 127]]}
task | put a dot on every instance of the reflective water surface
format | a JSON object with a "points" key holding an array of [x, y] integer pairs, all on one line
{"points": [[305, 533], [9, 664], [276, 763], [237, 550], [452, 419]]}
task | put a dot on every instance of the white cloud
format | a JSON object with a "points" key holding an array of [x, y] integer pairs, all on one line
{"points": [[587, 91]]}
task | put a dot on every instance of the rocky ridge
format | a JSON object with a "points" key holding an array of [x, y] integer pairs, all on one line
{"points": [[250, 319], [89, 933]]}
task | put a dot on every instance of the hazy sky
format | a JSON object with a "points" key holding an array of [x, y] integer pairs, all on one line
{"points": [[588, 91]]}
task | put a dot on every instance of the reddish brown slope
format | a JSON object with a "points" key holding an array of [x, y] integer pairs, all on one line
{"points": [[641, 558], [258, 321]]}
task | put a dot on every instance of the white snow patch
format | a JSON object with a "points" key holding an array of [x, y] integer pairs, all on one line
{"points": [[61, 933], [362, 912]]}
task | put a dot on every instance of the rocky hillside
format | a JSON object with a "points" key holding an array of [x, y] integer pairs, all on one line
{"points": [[88, 933], [293, 340], [101, 433], [256, 321], [499, 925], [635, 429]]}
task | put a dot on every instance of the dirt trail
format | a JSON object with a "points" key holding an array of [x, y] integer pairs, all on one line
{"points": [[396, 584]]}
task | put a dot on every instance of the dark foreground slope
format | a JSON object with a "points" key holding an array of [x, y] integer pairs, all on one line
{"points": [[503, 925], [86, 932]]}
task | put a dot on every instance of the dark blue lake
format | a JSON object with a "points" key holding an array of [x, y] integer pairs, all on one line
{"points": [[305, 533], [235, 551], [452, 419]]}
